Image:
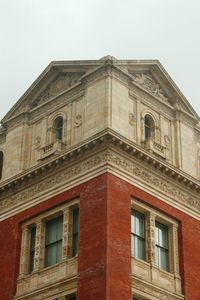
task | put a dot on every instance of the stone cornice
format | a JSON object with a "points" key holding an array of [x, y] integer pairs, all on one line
{"points": [[106, 137], [105, 152]]}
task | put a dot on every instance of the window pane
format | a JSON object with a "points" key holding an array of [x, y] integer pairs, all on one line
{"points": [[138, 247], [75, 231], [164, 259], [137, 236], [50, 255], [161, 235], [51, 232], [137, 223], [53, 247], [32, 248]]}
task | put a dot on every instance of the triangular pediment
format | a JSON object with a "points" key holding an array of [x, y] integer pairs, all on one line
{"points": [[153, 79], [57, 78], [61, 83], [148, 83]]}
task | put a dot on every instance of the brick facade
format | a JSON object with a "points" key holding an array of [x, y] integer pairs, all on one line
{"points": [[104, 243]]}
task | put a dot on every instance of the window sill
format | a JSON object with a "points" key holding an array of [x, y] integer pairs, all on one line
{"points": [[29, 283], [152, 274]]}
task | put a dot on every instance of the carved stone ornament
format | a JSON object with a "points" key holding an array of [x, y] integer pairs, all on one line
{"points": [[167, 139], [131, 119], [147, 82], [37, 141], [78, 121], [61, 83], [131, 168]]}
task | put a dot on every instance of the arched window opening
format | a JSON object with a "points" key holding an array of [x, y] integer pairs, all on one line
{"points": [[58, 128], [149, 127], [1, 164]]}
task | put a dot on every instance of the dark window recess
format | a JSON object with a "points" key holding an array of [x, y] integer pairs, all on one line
{"points": [[32, 248], [53, 243], [149, 127], [58, 128], [75, 231]]}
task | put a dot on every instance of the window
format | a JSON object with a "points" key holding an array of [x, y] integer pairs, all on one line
{"points": [[149, 127], [58, 129], [49, 238], [137, 234], [162, 246], [154, 237], [75, 231], [32, 248], [1, 164], [154, 249], [53, 242]]}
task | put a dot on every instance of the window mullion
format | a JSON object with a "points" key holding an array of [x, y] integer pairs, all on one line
{"points": [[150, 238], [173, 249], [25, 249], [39, 246], [67, 233]]}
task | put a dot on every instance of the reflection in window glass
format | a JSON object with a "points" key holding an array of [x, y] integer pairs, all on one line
{"points": [[53, 243], [162, 246], [137, 234]]}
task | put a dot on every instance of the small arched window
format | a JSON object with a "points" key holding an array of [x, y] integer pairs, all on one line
{"points": [[1, 164], [58, 128], [149, 127]]}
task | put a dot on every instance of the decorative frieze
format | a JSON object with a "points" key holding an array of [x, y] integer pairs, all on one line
{"points": [[107, 158]]}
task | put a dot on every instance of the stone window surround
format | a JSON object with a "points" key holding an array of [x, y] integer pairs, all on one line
{"points": [[50, 131], [39, 222], [149, 265], [157, 134]]}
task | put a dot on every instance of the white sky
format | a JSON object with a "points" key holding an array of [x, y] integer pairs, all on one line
{"points": [[35, 32]]}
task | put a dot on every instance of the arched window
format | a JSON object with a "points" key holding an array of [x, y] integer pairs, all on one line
{"points": [[1, 163], [149, 127], [58, 128]]}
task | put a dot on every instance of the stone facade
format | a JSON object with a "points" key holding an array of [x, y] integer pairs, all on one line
{"points": [[106, 159]]}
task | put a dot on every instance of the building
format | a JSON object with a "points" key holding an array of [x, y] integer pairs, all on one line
{"points": [[100, 185]]}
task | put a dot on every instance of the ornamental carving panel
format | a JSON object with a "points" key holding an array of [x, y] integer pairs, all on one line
{"points": [[147, 82], [61, 83]]}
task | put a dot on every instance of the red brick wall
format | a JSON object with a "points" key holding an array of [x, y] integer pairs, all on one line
{"points": [[104, 253], [189, 235]]}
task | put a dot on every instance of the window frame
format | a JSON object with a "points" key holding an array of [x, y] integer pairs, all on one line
{"points": [[39, 222], [58, 130], [137, 236], [162, 248], [55, 244], [149, 127], [153, 216]]}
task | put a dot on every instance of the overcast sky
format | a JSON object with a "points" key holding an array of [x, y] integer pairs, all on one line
{"points": [[35, 32]]}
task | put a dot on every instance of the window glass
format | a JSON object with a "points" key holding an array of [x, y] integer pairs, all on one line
{"points": [[149, 127], [58, 128], [162, 246], [137, 235], [32, 248], [53, 242], [75, 230]]}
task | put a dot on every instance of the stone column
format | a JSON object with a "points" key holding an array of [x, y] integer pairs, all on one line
{"points": [[39, 246], [67, 234], [150, 238], [25, 249]]}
